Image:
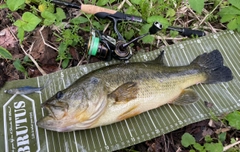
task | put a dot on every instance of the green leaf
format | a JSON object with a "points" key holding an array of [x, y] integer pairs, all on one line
{"points": [[60, 14], [170, 12], [102, 2], [145, 8], [26, 59], [148, 39], [62, 52], [17, 64], [79, 20], [187, 140], [145, 29], [14, 5], [49, 18], [213, 147], [197, 5], [238, 20], [208, 138], [232, 25], [19, 23], [222, 136], [226, 18], [129, 34], [20, 34], [238, 28], [97, 25], [65, 63], [235, 3], [233, 140], [159, 19], [173, 33], [198, 147], [50, 8], [132, 10], [234, 119], [136, 1], [4, 53], [230, 10], [31, 21]]}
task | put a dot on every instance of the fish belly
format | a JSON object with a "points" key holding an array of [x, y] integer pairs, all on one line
{"points": [[151, 94]]}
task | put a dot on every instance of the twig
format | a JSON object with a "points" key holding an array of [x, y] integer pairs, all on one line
{"points": [[212, 28], [230, 146], [81, 61], [129, 3], [169, 38], [194, 14], [121, 5], [33, 60], [118, 8], [10, 30], [44, 42], [210, 12]]}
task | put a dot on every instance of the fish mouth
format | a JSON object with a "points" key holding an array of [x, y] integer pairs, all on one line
{"points": [[57, 110], [50, 123], [54, 120], [60, 119]]}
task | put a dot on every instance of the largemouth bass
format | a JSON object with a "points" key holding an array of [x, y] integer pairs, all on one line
{"points": [[117, 92]]}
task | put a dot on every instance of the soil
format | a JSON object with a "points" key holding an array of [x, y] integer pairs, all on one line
{"points": [[171, 142]]}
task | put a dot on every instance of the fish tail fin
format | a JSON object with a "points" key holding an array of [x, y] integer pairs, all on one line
{"points": [[212, 64]]}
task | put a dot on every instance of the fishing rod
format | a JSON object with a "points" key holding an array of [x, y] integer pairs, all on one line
{"points": [[100, 12], [106, 47]]}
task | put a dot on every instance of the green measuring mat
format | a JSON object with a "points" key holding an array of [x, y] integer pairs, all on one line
{"points": [[19, 114]]}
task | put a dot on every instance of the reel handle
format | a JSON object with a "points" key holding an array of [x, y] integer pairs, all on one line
{"points": [[92, 9], [187, 31]]}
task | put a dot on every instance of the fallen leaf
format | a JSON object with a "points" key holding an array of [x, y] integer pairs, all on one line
{"points": [[211, 123], [34, 72], [41, 52], [207, 131], [221, 130], [7, 39]]}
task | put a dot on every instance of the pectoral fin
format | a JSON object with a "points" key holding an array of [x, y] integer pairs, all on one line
{"points": [[133, 111], [125, 92], [187, 96]]}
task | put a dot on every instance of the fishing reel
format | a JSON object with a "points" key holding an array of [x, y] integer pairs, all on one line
{"points": [[105, 47]]}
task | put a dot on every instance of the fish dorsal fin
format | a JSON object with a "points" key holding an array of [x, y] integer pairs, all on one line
{"points": [[159, 59], [125, 92], [187, 96]]}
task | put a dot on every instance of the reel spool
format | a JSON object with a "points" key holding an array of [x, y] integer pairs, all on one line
{"points": [[96, 47]]}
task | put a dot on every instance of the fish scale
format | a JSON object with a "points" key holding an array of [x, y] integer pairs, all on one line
{"points": [[118, 92]]}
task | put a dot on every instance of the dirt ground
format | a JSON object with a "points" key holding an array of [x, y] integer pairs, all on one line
{"points": [[171, 142]]}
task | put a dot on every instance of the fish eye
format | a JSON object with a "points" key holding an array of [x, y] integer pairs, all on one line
{"points": [[59, 95]]}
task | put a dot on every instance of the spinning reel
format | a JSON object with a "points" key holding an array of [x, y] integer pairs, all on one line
{"points": [[106, 47]]}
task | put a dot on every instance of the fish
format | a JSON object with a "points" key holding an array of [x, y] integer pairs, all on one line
{"points": [[26, 89], [121, 91]]}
